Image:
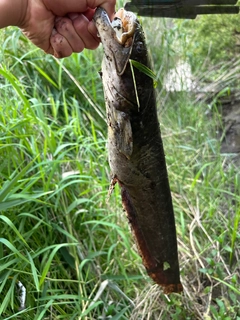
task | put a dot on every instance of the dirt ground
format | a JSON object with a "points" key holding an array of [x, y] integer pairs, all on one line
{"points": [[180, 78], [231, 120], [229, 134]]}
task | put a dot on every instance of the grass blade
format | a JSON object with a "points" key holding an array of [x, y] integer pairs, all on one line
{"points": [[34, 272], [12, 226], [13, 249], [48, 263], [10, 77]]}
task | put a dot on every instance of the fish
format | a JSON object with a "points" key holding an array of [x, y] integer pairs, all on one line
{"points": [[135, 148]]}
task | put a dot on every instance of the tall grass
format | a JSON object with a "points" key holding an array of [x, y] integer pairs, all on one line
{"points": [[68, 244], [59, 237]]}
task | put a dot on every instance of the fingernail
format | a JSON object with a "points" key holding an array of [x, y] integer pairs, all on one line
{"points": [[54, 31], [73, 15], [57, 19]]}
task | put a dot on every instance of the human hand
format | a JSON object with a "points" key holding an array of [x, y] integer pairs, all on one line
{"points": [[62, 27]]}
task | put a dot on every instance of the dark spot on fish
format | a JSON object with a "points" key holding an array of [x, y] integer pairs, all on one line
{"points": [[152, 184], [154, 269], [139, 47], [109, 58], [118, 27]]}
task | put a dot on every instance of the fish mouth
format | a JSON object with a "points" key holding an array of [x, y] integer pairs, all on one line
{"points": [[124, 25], [122, 28], [117, 37]]}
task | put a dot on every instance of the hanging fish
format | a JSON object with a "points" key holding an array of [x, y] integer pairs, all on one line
{"points": [[135, 147]]}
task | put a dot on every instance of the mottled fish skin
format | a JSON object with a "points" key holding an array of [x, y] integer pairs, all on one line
{"points": [[135, 148]]}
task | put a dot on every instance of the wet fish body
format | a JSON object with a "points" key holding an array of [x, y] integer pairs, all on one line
{"points": [[135, 147]]}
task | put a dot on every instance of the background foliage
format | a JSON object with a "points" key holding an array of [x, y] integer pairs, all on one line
{"points": [[215, 38], [67, 244]]}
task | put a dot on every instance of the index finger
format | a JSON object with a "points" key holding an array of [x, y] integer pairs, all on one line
{"points": [[107, 5], [63, 7]]}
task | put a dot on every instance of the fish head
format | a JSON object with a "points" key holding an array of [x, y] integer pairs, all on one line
{"points": [[117, 37]]}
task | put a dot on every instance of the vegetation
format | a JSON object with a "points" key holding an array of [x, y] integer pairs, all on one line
{"points": [[215, 38], [63, 239]]}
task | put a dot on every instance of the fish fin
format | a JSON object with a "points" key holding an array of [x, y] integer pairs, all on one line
{"points": [[122, 56]]}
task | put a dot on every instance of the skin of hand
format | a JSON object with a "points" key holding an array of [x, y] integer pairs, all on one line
{"points": [[60, 27]]}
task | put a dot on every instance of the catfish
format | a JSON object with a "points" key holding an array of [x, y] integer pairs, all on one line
{"points": [[135, 148]]}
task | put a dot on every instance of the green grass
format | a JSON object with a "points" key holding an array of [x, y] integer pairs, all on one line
{"points": [[63, 238]]}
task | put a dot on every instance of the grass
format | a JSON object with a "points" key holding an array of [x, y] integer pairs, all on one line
{"points": [[63, 239]]}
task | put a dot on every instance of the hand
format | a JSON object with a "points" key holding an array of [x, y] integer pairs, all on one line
{"points": [[61, 27]]}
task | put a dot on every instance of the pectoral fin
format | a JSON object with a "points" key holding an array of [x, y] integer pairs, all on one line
{"points": [[121, 58]]}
